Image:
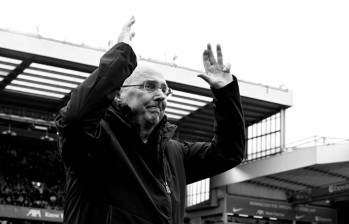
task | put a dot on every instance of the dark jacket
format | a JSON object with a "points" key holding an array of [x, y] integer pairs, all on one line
{"points": [[112, 176]]}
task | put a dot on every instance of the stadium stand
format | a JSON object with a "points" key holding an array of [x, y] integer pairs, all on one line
{"points": [[31, 174]]}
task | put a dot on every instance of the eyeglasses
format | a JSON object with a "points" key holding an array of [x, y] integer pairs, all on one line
{"points": [[152, 86]]}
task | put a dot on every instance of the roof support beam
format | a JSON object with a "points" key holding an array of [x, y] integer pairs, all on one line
{"points": [[269, 185], [14, 73], [331, 191], [327, 172], [290, 181]]}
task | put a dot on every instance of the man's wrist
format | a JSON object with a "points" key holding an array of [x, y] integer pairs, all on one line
{"points": [[222, 84]]}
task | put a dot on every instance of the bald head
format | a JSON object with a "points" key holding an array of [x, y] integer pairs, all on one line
{"points": [[141, 73]]}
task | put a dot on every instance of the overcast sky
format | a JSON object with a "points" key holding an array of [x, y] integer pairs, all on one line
{"points": [[300, 45]]}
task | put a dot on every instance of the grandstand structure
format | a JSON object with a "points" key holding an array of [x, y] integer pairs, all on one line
{"points": [[275, 184]]}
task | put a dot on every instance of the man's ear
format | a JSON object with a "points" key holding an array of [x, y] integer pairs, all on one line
{"points": [[117, 96]]}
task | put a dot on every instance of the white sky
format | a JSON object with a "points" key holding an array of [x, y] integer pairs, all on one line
{"points": [[300, 44]]}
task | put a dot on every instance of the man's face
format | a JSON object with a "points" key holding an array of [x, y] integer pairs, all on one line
{"points": [[148, 107]]}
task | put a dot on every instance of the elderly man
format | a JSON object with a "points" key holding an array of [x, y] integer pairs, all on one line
{"points": [[122, 165]]}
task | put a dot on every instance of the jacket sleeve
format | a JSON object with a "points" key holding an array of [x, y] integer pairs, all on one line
{"points": [[227, 148], [80, 118]]}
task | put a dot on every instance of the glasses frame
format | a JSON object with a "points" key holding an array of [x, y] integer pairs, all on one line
{"points": [[143, 87]]}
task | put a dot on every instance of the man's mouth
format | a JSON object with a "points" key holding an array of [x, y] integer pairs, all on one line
{"points": [[154, 109]]}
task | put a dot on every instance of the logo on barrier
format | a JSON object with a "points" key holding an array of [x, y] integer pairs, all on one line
{"points": [[299, 216], [338, 187], [260, 212], [235, 210], [34, 213]]}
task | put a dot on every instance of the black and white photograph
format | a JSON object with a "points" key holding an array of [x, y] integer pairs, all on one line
{"points": [[174, 112]]}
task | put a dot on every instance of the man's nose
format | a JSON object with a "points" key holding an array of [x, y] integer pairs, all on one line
{"points": [[159, 95]]}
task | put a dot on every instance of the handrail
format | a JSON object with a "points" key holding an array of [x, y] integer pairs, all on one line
{"points": [[316, 141], [302, 143]]}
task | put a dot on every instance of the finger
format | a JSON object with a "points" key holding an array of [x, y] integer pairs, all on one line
{"points": [[212, 69], [210, 54], [226, 68], [129, 23], [132, 35], [206, 78], [206, 60], [219, 55]]}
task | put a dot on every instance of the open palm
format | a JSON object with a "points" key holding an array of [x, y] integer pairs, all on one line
{"points": [[217, 75]]}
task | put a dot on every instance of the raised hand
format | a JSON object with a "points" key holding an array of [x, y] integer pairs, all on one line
{"points": [[217, 75], [126, 35]]}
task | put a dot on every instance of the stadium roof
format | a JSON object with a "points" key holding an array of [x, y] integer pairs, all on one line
{"points": [[315, 174], [37, 75]]}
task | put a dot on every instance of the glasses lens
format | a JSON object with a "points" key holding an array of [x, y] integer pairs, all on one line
{"points": [[169, 91], [164, 89], [150, 86]]}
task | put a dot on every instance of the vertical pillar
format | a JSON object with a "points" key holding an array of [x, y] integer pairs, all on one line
{"points": [[282, 130]]}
